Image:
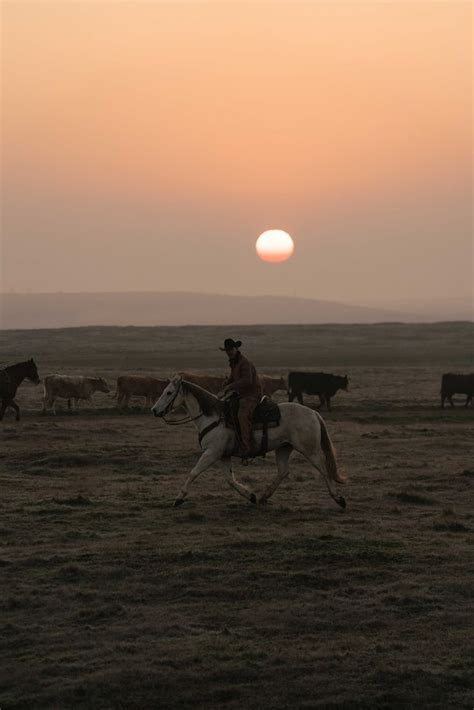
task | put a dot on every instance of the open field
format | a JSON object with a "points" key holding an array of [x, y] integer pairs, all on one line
{"points": [[111, 598]]}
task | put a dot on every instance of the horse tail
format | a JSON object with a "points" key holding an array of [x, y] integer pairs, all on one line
{"points": [[330, 454]]}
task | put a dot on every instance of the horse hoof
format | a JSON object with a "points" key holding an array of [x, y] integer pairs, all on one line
{"points": [[342, 502], [253, 499], [178, 502]]}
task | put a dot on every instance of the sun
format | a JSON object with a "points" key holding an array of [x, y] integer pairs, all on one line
{"points": [[274, 245]]}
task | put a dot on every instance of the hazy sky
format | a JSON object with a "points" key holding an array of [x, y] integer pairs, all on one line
{"points": [[146, 145]]}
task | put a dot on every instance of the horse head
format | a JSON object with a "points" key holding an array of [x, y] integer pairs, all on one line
{"points": [[171, 397], [32, 372]]}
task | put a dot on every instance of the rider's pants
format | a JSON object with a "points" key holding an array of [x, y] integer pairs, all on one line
{"points": [[246, 409]]}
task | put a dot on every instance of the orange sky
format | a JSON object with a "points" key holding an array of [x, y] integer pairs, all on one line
{"points": [[179, 131]]}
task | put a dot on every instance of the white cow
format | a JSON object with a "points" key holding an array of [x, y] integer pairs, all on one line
{"points": [[71, 388]]}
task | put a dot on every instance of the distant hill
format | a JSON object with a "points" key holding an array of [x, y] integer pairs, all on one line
{"points": [[59, 310]]}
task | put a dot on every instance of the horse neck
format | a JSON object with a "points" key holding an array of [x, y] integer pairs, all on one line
{"points": [[17, 373], [193, 408]]}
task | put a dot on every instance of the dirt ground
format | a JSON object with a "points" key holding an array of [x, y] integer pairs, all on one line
{"points": [[112, 598]]}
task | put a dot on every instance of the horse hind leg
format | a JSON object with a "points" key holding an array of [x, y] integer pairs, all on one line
{"points": [[282, 456], [235, 484], [316, 461], [3, 408]]}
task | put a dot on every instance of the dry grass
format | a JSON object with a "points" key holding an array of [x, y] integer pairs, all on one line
{"points": [[111, 598]]}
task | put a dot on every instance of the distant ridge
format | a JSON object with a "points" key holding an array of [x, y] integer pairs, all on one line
{"points": [[62, 310]]}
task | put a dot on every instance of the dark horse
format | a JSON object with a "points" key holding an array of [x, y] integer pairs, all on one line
{"points": [[10, 379]]}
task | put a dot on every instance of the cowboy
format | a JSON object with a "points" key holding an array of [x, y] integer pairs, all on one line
{"points": [[244, 381]]}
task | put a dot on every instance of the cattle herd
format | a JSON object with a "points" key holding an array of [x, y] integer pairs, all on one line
{"points": [[74, 388]]}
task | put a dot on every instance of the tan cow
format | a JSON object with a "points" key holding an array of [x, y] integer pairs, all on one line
{"points": [[71, 388], [211, 383], [139, 386], [271, 384]]}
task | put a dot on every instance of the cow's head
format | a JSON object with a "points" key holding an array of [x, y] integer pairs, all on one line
{"points": [[172, 397], [101, 385], [32, 372]]}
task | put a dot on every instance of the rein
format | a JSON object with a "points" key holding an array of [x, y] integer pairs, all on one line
{"points": [[186, 420]]}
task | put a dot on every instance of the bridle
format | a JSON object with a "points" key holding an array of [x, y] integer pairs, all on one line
{"points": [[169, 407]]}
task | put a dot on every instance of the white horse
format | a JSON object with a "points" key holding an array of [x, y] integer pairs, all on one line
{"points": [[300, 429]]}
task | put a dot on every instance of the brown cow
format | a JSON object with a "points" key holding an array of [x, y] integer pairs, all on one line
{"points": [[71, 388], [211, 383], [270, 385], [139, 386]]}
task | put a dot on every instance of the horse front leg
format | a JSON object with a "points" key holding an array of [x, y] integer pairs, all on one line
{"points": [[282, 456], [208, 458], [15, 406], [236, 485]]}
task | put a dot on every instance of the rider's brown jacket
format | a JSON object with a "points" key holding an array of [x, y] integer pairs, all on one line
{"points": [[243, 377]]}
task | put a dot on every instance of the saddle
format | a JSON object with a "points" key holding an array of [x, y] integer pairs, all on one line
{"points": [[266, 416]]}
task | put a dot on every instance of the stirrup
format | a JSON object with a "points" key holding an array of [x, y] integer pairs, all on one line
{"points": [[249, 456]]}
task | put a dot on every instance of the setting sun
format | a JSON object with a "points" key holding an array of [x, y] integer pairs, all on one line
{"points": [[274, 245]]}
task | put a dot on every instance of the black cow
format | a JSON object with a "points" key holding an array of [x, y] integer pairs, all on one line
{"points": [[457, 384], [320, 383]]}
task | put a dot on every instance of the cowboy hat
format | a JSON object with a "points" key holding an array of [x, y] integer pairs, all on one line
{"points": [[229, 344]]}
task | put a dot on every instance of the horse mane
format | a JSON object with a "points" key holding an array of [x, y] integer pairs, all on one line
{"points": [[18, 364], [208, 402]]}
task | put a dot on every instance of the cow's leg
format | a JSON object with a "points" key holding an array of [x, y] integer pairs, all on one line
{"points": [[328, 402], [282, 456], [450, 400], [53, 404], [443, 397], [300, 397], [468, 400], [208, 457], [236, 485], [69, 404], [48, 403], [3, 408]]}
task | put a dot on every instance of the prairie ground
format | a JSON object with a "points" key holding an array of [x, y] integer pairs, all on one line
{"points": [[112, 598]]}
